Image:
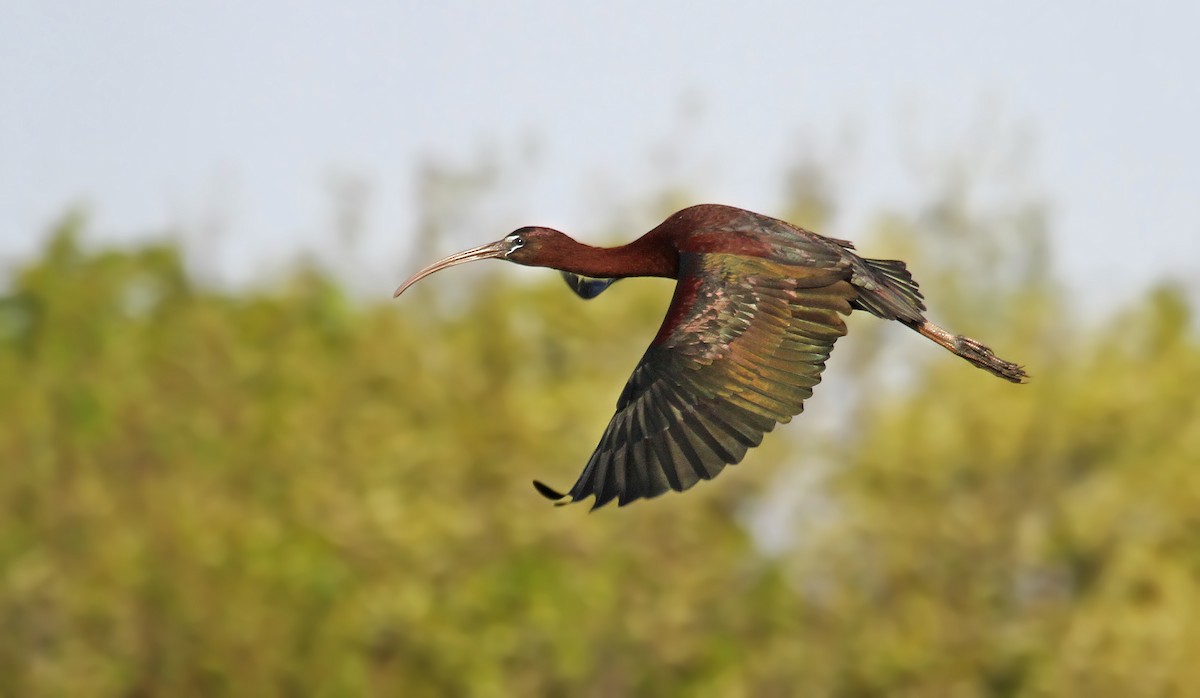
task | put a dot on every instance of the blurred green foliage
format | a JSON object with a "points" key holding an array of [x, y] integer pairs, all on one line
{"points": [[288, 493]]}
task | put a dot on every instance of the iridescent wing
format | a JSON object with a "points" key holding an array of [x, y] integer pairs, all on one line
{"points": [[743, 343]]}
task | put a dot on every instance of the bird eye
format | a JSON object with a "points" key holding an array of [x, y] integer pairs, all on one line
{"points": [[519, 241]]}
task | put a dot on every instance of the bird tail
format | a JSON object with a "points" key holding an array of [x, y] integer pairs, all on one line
{"points": [[887, 290], [971, 350]]}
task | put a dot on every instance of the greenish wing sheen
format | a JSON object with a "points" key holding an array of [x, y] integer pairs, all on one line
{"points": [[744, 342]]}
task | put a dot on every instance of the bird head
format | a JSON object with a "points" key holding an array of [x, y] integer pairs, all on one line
{"points": [[529, 246]]}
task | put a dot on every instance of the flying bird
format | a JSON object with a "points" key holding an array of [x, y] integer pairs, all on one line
{"points": [[758, 305]]}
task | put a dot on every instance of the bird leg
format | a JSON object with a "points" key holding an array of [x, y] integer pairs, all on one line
{"points": [[973, 351]]}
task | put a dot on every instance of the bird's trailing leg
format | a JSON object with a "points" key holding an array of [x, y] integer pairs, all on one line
{"points": [[972, 351]]}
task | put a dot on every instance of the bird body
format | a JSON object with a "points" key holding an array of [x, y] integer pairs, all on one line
{"points": [[758, 305]]}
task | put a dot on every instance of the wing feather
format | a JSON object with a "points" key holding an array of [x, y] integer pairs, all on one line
{"points": [[743, 344]]}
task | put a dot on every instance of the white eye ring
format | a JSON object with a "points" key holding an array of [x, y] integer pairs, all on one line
{"points": [[519, 241]]}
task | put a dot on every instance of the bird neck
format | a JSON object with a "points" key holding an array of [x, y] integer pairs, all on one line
{"points": [[646, 256]]}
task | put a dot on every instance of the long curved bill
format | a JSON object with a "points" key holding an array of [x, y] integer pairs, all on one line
{"points": [[491, 250]]}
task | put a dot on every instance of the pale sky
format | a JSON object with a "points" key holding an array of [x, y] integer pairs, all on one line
{"points": [[236, 116]]}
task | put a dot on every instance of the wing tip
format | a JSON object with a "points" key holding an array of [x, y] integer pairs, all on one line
{"points": [[561, 499], [552, 494]]}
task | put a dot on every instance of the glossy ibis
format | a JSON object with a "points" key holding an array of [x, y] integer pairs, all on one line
{"points": [[757, 307]]}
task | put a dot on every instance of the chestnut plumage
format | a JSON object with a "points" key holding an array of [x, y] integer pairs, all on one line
{"points": [[757, 308]]}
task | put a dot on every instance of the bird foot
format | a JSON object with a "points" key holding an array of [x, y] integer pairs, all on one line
{"points": [[983, 357]]}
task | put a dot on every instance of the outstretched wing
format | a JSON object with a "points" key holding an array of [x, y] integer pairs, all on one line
{"points": [[743, 343]]}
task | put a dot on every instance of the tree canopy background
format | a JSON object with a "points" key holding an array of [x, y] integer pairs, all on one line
{"points": [[294, 490]]}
